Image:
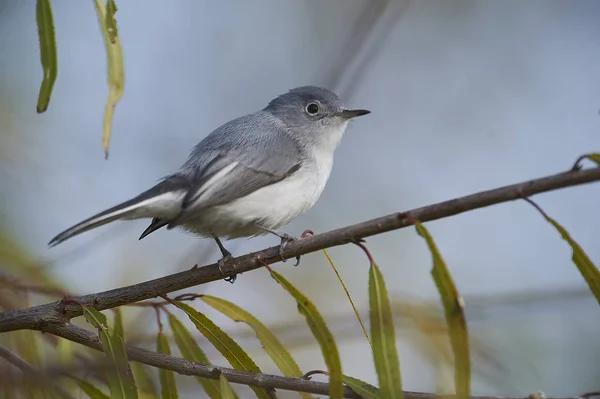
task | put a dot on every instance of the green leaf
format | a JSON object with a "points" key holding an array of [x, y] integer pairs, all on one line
{"points": [[144, 381], [455, 316], [234, 354], [383, 336], [365, 390], [111, 22], [120, 378], [65, 352], [45, 23], [360, 321], [90, 390], [167, 377], [226, 388], [274, 348], [118, 330], [321, 333], [586, 267], [595, 157], [116, 71], [191, 351]]}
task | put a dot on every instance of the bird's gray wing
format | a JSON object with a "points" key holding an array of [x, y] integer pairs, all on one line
{"points": [[228, 165], [230, 177]]}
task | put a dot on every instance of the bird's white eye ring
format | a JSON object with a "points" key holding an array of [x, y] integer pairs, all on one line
{"points": [[312, 108]]}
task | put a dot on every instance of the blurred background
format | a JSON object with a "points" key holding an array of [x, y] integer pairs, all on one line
{"points": [[465, 96]]}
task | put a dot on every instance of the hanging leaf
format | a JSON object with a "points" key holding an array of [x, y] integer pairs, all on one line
{"points": [[116, 70], [365, 390], [455, 317], [595, 157], [191, 351], [586, 267], [111, 22], [119, 376], [274, 348], [144, 381], [167, 377], [48, 54], [118, 330], [90, 390], [383, 336], [226, 389], [317, 325], [362, 325], [230, 349]]}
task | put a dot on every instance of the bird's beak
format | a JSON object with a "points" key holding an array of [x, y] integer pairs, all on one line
{"points": [[352, 113]]}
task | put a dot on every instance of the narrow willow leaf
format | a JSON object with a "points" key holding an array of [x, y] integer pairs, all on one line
{"points": [[120, 378], [66, 352], [144, 381], [595, 157], [383, 336], [586, 267], [226, 389], [45, 23], [230, 349], [274, 348], [90, 390], [116, 71], [191, 351], [455, 317], [28, 346], [111, 22], [362, 325], [321, 333], [365, 390], [118, 330], [167, 377]]}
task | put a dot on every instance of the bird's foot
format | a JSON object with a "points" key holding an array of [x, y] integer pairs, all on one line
{"points": [[221, 263], [285, 239]]}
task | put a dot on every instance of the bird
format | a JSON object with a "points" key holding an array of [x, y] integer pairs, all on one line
{"points": [[249, 177]]}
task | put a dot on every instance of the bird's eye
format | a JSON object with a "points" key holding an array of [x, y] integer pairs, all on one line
{"points": [[312, 109]]}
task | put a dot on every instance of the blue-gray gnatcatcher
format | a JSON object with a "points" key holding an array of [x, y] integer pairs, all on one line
{"points": [[249, 177]]}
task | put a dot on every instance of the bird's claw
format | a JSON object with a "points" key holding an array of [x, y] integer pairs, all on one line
{"points": [[285, 239], [221, 263]]}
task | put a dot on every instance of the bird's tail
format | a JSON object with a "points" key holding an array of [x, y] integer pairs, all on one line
{"points": [[162, 200]]}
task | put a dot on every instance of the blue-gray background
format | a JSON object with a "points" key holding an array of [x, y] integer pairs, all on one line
{"points": [[465, 96]]}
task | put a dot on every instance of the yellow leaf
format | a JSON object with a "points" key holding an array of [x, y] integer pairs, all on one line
{"points": [[144, 381], [116, 70], [365, 390], [230, 349], [586, 267], [226, 389], [274, 348], [321, 333], [455, 317], [191, 351]]}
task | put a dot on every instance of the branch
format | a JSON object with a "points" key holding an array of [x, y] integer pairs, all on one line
{"points": [[188, 367], [54, 317], [40, 317], [31, 371]]}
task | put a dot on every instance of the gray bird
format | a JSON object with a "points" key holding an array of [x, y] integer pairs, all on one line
{"points": [[249, 177]]}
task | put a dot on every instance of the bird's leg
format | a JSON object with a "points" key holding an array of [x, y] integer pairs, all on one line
{"points": [[285, 238], [221, 262]]}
